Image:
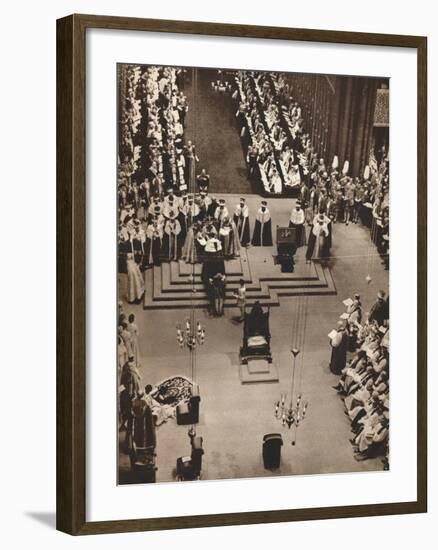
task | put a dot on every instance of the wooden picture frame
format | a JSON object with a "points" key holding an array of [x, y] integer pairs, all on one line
{"points": [[71, 273]]}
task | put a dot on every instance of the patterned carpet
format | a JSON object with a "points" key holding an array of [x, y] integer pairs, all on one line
{"points": [[173, 391]]}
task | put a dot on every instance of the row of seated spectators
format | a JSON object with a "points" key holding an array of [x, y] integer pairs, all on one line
{"points": [[280, 156], [364, 378], [153, 154], [277, 149]]}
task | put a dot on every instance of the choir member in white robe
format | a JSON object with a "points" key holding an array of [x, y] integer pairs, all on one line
{"points": [[297, 221], [262, 235], [241, 219], [317, 248], [126, 337], [275, 183], [371, 424], [133, 330], [294, 178], [356, 400], [135, 281]]}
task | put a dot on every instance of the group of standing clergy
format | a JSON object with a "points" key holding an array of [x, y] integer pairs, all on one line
{"points": [[319, 240], [186, 226]]}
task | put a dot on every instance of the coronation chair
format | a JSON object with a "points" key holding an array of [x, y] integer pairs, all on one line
{"points": [[188, 468], [272, 444], [256, 336]]}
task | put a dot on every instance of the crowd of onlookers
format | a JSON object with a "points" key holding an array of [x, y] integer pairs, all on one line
{"points": [[277, 149], [279, 154], [152, 152], [157, 176], [360, 356]]}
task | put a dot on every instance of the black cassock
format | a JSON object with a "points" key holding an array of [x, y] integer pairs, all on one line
{"points": [[241, 220], [212, 208], [212, 266], [262, 235], [338, 357], [184, 223], [125, 248]]}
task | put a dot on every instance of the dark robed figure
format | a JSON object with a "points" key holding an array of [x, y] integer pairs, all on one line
{"points": [[379, 310], [241, 219], [339, 345], [262, 235], [297, 221]]}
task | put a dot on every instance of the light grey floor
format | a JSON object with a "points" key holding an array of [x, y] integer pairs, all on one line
{"points": [[234, 417]]}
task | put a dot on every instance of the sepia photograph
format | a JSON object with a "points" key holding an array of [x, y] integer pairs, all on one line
{"points": [[253, 274]]}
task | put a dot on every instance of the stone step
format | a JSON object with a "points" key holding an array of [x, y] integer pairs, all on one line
{"points": [[250, 375], [188, 304], [236, 266], [188, 288], [271, 299], [169, 282], [163, 292], [253, 289]]}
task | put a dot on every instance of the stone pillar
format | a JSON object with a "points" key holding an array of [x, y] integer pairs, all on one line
{"points": [[352, 121]]}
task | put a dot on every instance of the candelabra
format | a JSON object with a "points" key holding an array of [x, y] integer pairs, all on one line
{"points": [[221, 84], [189, 337], [295, 412]]}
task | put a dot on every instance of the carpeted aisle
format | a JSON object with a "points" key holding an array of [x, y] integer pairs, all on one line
{"points": [[212, 126]]}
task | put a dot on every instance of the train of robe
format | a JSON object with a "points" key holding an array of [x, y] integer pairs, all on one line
{"points": [[241, 219], [318, 244]]}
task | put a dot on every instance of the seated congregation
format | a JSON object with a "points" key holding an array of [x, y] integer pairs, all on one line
{"points": [[364, 378], [171, 212]]}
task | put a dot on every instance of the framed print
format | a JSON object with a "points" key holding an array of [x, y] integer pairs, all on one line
{"points": [[236, 273]]}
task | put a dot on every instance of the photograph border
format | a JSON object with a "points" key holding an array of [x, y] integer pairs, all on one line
{"points": [[71, 273]]}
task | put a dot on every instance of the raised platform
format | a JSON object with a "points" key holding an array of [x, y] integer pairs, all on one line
{"points": [[258, 371], [178, 285]]}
